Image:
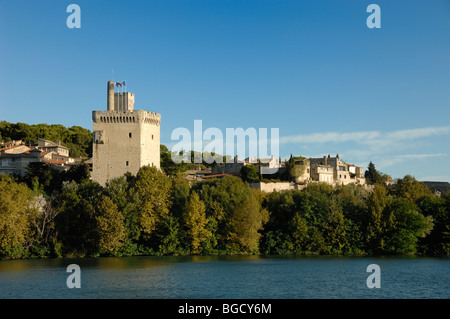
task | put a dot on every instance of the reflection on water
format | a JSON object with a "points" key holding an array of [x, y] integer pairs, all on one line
{"points": [[226, 277]]}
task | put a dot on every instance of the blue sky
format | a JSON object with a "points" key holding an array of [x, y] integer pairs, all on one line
{"points": [[313, 69]]}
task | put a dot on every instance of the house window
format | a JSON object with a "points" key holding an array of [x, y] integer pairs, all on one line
{"points": [[129, 135], [126, 163], [152, 136]]}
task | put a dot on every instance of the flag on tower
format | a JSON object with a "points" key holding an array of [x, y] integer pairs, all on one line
{"points": [[124, 83], [118, 83]]}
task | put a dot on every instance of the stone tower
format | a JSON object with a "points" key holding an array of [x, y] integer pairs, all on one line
{"points": [[124, 139]]}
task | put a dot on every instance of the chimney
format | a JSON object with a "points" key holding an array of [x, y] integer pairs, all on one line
{"points": [[325, 160], [110, 93]]}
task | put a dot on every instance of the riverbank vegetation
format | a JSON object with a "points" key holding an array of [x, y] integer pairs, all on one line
{"points": [[53, 214]]}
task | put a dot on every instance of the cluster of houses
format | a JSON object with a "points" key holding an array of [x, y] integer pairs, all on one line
{"points": [[327, 169], [16, 155], [331, 170]]}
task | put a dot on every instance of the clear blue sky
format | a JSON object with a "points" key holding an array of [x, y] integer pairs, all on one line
{"points": [[313, 69]]}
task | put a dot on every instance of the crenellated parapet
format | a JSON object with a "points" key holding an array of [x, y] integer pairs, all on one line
{"points": [[138, 116]]}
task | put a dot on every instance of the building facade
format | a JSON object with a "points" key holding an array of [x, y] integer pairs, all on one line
{"points": [[15, 160], [50, 146], [16, 156], [341, 172], [124, 139]]}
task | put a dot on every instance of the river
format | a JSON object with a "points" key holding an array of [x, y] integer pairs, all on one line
{"points": [[228, 277]]}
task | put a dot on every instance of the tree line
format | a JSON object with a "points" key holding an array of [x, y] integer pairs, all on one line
{"points": [[54, 214]]}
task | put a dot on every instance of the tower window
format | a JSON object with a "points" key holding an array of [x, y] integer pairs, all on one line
{"points": [[129, 135], [126, 163], [152, 136]]}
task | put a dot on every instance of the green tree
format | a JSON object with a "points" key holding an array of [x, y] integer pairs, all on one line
{"points": [[45, 235], [41, 176], [234, 213], [77, 173], [245, 224], [195, 222], [334, 228], [411, 189], [76, 224], [169, 236], [300, 233], [376, 222], [180, 196], [372, 175], [407, 227], [122, 192], [446, 226], [437, 243], [249, 173], [287, 230], [110, 228], [167, 164], [353, 198], [79, 141], [154, 190], [16, 217]]}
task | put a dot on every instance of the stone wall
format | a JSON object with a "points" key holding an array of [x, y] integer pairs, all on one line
{"points": [[278, 187], [228, 168], [124, 141]]}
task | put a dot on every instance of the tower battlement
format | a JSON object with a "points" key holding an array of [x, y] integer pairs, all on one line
{"points": [[138, 116], [119, 101]]}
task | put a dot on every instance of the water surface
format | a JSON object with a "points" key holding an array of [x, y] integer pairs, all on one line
{"points": [[215, 277]]}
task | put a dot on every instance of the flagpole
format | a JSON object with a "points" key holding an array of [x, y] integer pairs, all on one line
{"points": [[125, 98]]}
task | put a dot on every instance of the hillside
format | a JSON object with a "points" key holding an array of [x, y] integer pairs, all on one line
{"points": [[76, 138]]}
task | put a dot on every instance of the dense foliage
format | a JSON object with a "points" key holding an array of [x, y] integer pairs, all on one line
{"points": [[50, 214], [191, 160]]}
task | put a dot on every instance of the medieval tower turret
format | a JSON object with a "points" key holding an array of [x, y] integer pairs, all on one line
{"points": [[124, 139]]}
